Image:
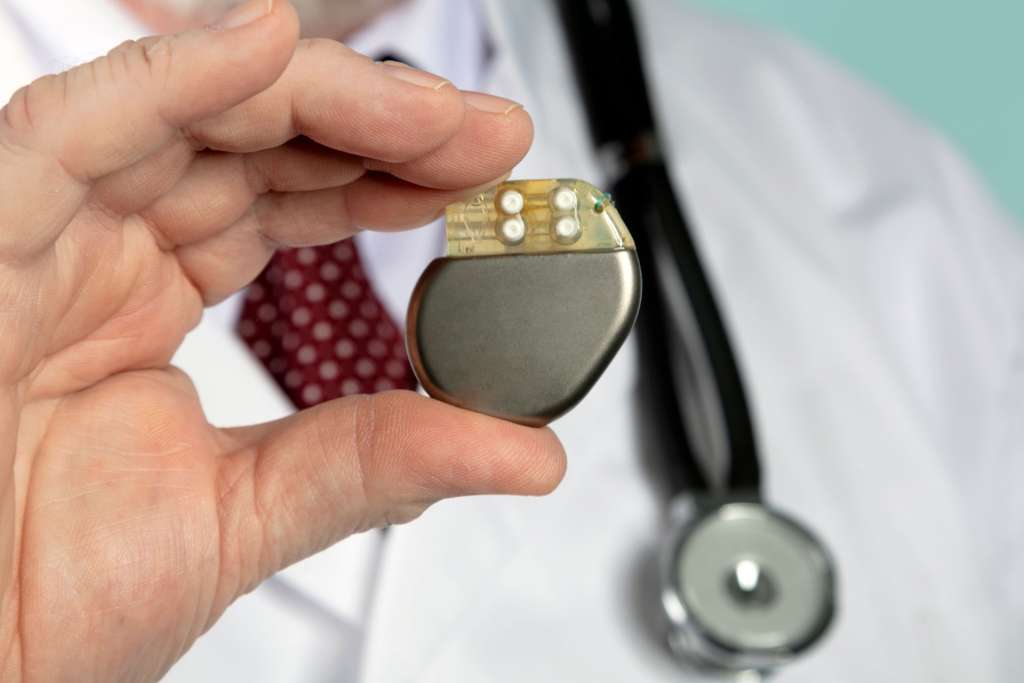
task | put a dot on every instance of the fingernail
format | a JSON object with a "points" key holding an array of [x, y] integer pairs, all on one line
{"points": [[414, 76], [490, 103], [471, 192], [244, 14]]}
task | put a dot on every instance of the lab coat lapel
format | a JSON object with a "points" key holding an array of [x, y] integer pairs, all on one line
{"points": [[435, 575]]}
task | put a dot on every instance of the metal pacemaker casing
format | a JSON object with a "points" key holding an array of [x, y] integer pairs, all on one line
{"points": [[521, 337], [539, 289]]}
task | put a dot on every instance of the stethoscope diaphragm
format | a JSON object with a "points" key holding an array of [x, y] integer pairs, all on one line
{"points": [[744, 587]]}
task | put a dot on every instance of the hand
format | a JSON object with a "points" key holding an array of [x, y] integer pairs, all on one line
{"points": [[135, 190]]}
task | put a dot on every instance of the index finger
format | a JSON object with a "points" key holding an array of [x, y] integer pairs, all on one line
{"points": [[343, 100]]}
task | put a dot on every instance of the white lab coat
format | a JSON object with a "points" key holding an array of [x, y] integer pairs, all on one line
{"points": [[875, 297]]}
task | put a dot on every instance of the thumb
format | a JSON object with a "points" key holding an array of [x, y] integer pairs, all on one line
{"points": [[293, 487], [97, 118]]}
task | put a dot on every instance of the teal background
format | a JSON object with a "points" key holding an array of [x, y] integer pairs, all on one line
{"points": [[957, 63]]}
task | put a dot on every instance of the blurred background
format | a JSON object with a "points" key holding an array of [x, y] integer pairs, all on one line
{"points": [[956, 64]]}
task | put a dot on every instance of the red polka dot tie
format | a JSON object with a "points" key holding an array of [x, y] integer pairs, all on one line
{"points": [[313, 320]]}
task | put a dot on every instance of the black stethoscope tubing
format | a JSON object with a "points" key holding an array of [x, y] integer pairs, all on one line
{"points": [[705, 443], [710, 411]]}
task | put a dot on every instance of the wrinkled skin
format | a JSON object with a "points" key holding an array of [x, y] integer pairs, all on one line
{"points": [[134, 191]]}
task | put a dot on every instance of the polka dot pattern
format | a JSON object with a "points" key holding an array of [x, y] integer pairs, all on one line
{"points": [[313, 320]]}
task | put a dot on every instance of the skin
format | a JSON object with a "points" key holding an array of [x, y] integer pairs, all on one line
{"points": [[136, 190]]}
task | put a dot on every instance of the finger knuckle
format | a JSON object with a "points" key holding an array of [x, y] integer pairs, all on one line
{"points": [[322, 55], [380, 438], [151, 59], [125, 46], [33, 103], [322, 47], [16, 115], [136, 62]]}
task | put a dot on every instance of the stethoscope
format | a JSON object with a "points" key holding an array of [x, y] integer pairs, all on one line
{"points": [[744, 588]]}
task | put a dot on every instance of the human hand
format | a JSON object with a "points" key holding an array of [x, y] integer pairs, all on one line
{"points": [[137, 189]]}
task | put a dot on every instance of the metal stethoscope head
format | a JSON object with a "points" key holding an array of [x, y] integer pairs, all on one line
{"points": [[744, 588]]}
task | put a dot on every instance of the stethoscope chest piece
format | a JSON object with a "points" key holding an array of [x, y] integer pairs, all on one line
{"points": [[744, 587], [538, 291]]}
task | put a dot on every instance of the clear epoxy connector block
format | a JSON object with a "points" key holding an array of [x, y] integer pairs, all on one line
{"points": [[479, 227]]}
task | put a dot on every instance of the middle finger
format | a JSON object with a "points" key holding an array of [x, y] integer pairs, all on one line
{"points": [[345, 101]]}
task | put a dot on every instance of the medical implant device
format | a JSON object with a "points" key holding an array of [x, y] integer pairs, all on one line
{"points": [[538, 290]]}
